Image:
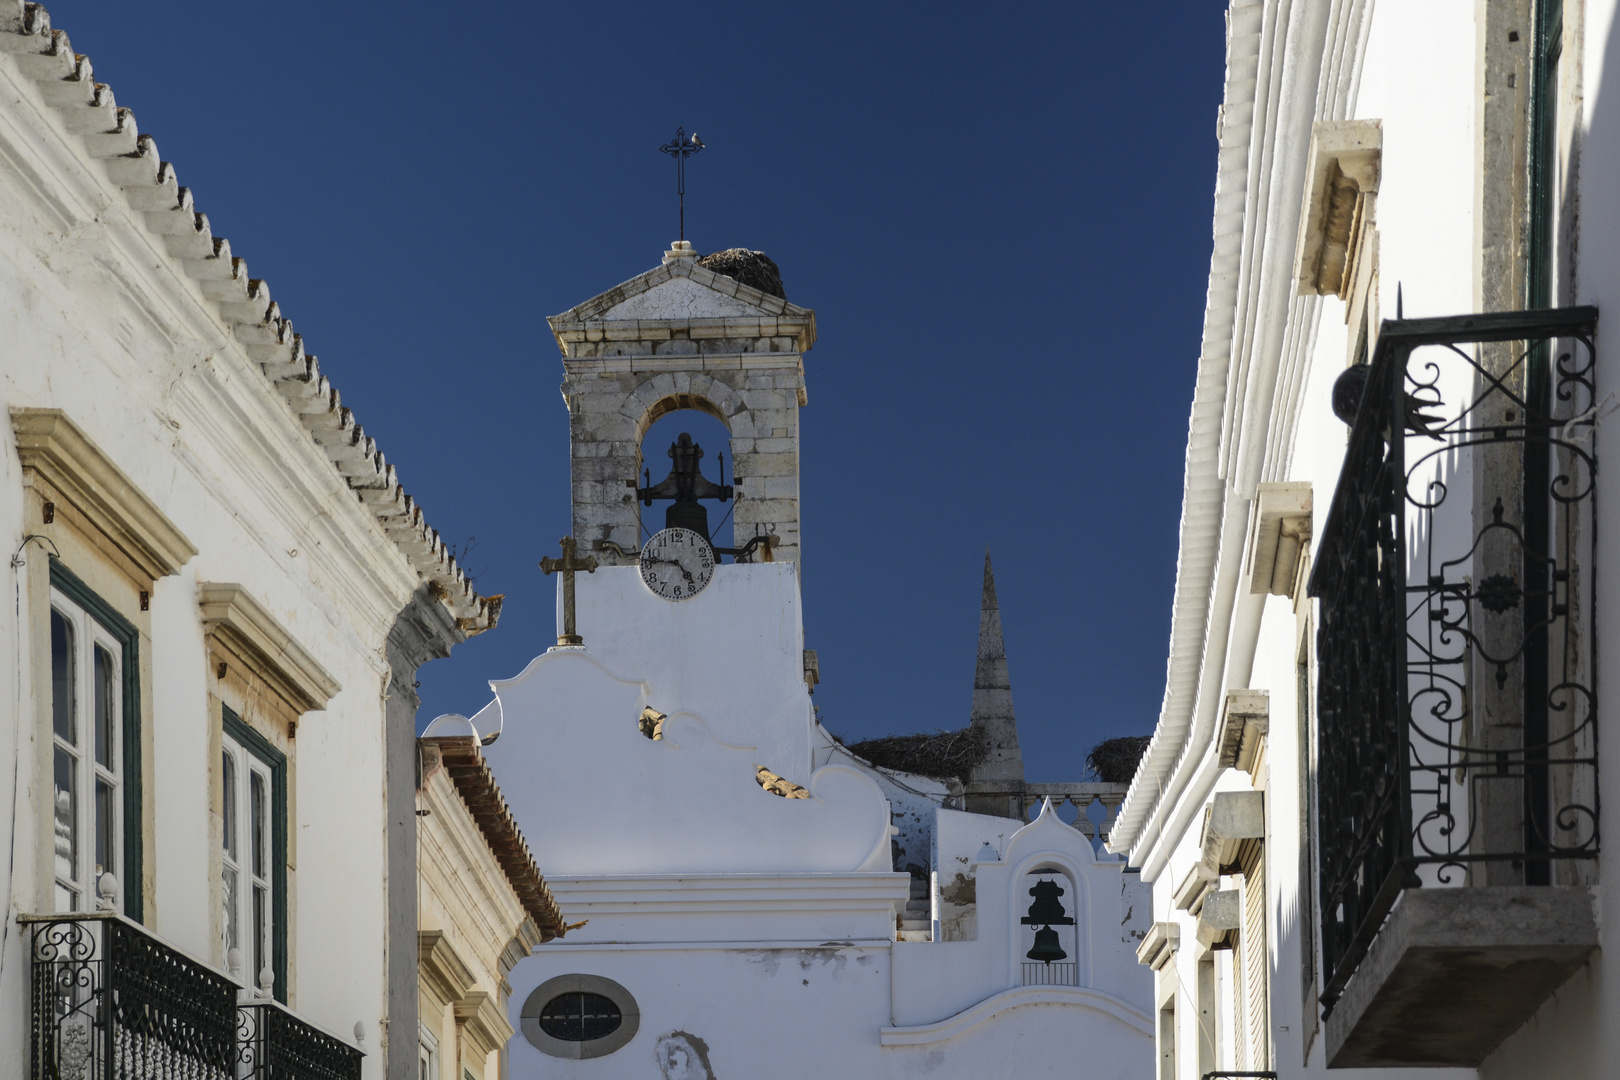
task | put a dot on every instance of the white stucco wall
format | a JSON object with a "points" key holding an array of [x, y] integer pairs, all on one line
{"points": [[733, 654], [99, 321], [765, 927]]}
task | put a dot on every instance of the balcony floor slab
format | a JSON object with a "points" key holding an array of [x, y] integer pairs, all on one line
{"points": [[1453, 972]]}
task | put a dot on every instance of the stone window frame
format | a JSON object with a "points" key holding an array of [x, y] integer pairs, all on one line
{"points": [[234, 728], [110, 544], [261, 684], [629, 1012], [87, 603]]}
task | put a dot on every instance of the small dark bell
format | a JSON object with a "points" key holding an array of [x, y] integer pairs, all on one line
{"points": [[1046, 947], [1047, 908]]}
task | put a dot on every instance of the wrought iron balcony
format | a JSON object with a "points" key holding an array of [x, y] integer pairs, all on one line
{"points": [[276, 1045], [111, 1002], [1456, 768]]}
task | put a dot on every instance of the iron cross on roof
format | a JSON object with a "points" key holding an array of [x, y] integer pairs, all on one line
{"points": [[680, 148]]}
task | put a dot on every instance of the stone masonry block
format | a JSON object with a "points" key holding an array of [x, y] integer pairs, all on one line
{"points": [[769, 464], [767, 399], [781, 487], [599, 403], [778, 509]]}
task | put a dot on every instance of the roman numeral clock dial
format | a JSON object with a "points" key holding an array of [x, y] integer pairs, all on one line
{"points": [[676, 564]]}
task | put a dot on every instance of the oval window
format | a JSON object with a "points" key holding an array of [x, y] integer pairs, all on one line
{"points": [[580, 1017]]}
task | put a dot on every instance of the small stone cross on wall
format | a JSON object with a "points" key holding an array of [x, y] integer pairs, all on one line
{"points": [[567, 565]]}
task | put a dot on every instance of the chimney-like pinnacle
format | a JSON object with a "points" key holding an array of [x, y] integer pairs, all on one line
{"points": [[679, 249], [992, 694]]}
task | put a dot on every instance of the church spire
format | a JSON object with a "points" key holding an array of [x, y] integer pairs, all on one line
{"points": [[992, 703]]}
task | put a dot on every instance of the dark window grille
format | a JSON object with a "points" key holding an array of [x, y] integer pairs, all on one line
{"points": [[580, 1017], [1456, 704]]}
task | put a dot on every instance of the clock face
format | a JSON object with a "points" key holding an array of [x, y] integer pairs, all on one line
{"points": [[676, 564]]}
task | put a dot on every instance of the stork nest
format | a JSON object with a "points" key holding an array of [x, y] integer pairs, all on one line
{"points": [[944, 755], [1114, 761], [752, 268]]}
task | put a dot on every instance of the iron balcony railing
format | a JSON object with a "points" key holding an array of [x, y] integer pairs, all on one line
{"points": [[1456, 703], [276, 1045], [111, 1002]]}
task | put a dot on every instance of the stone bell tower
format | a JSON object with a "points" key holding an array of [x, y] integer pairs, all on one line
{"points": [[714, 334]]}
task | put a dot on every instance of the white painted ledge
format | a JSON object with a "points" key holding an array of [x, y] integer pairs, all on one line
{"points": [[1006, 1001]]}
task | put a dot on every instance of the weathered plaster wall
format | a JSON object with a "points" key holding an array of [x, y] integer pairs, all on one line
{"points": [[102, 322], [733, 654]]}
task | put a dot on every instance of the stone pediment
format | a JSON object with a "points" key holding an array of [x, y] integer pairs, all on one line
{"points": [[680, 298], [681, 293]]}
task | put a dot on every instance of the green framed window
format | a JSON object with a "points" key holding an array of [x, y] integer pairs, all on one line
{"points": [[95, 746], [253, 845]]}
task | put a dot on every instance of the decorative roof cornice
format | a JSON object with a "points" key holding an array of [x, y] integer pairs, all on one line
{"points": [[464, 762], [1204, 494], [108, 133]]}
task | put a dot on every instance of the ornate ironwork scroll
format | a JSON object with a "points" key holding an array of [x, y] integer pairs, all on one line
{"points": [[276, 1045], [1456, 700], [112, 1003]]}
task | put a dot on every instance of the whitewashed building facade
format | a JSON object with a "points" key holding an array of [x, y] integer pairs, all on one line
{"points": [[745, 898], [219, 596], [1373, 808]]}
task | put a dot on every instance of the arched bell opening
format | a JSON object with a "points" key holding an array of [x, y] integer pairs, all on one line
{"points": [[1048, 938], [679, 434]]}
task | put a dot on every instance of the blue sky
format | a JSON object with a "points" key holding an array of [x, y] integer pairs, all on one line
{"points": [[1000, 214]]}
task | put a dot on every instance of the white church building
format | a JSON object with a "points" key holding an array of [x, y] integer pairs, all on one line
{"points": [[742, 910]]}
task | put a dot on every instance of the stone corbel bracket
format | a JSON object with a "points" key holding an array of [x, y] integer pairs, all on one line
{"points": [[1341, 190], [1245, 718], [1189, 895], [1159, 946], [1220, 916], [1282, 533], [1233, 816], [230, 614], [441, 966]]}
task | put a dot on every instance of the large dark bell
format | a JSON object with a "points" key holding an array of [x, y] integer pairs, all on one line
{"points": [[1046, 947], [688, 515]]}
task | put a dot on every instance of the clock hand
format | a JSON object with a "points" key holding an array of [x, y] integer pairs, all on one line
{"points": [[672, 562]]}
